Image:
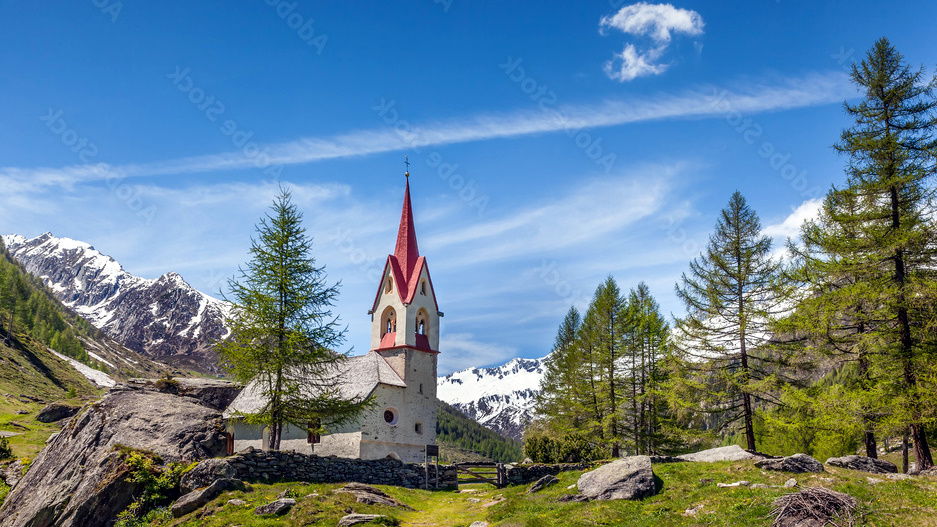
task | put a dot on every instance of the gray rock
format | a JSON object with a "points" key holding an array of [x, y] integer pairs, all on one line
{"points": [[865, 464], [724, 453], [198, 498], [237, 503], [213, 393], [742, 483], [80, 480], [572, 498], [355, 519], [371, 496], [205, 473], [543, 483], [12, 472], [630, 478], [56, 412], [797, 464], [791, 483], [278, 507]]}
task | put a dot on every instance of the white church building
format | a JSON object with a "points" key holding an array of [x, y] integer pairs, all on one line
{"points": [[399, 370]]}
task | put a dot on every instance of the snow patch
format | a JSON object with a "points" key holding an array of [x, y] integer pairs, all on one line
{"points": [[99, 378]]}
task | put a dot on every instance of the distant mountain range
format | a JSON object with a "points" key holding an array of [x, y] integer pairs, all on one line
{"points": [[164, 318], [501, 397]]}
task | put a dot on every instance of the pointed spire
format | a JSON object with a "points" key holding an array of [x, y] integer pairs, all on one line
{"points": [[406, 251]]}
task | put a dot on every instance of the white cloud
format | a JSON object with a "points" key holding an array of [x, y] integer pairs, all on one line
{"points": [[630, 64], [657, 22], [748, 97], [462, 350], [790, 227]]}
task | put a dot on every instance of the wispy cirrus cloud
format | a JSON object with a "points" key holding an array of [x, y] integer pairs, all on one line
{"points": [[750, 97], [658, 23]]}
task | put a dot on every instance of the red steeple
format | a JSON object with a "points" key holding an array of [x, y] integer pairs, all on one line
{"points": [[406, 251]]}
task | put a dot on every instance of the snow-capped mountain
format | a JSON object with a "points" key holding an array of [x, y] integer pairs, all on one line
{"points": [[501, 398], [164, 318]]}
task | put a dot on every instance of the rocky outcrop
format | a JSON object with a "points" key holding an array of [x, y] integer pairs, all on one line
{"points": [[369, 495], [725, 453], [630, 478], [276, 508], [864, 464], [199, 498], [543, 483], [56, 412], [80, 478], [213, 393], [354, 519], [798, 464]]}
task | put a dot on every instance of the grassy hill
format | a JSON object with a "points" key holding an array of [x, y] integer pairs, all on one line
{"points": [[686, 486], [461, 438]]}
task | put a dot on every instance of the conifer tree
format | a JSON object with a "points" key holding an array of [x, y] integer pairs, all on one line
{"points": [[557, 396], [283, 334], [732, 292], [647, 335], [892, 157]]}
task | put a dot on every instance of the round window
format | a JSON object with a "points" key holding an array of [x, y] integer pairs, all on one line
{"points": [[390, 416]]}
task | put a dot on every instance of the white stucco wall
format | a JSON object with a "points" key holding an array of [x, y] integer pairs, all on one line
{"points": [[294, 439]]}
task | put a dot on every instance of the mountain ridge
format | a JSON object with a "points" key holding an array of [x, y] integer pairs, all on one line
{"points": [[164, 318]]}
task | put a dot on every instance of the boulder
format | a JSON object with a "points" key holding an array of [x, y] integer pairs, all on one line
{"points": [[543, 483], [56, 412], [797, 464], [278, 507], [630, 478], [723, 453], [12, 472], [865, 464], [213, 393], [80, 480], [355, 519], [371, 496], [199, 498], [206, 473]]}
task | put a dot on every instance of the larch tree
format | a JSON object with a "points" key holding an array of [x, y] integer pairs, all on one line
{"points": [[646, 340], [283, 335], [892, 158], [732, 292], [557, 395]]}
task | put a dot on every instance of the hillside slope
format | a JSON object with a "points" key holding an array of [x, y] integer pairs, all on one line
{"points": [[462, 439], [164, 318]]}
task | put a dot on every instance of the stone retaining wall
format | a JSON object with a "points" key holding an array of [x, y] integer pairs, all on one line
{"points": [[259, 465], [524, 474]]}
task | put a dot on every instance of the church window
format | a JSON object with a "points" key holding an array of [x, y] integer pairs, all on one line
{"points": [[421, 387], [389, 319], [389, 286], [390, 416], [418, 428], [422, 322], [313, 437], [423, 288]]}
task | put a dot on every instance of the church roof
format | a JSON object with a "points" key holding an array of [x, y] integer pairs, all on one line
{"points": [[356, 377]]}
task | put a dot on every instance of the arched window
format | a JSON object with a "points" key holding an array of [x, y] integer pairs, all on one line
{"points": [[389, 285], [423, 288], [422, 322], [388, 321]]}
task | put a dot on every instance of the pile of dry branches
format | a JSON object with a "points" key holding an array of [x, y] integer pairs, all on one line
{"points": [[815, 507]]}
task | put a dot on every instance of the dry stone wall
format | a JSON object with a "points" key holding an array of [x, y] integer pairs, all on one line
{"points": [[258, 465]]}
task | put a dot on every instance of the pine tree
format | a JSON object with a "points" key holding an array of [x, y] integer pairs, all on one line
{"points": [[283, 335], [732, 292], [647, 335], [557, 395], [892, 157]]}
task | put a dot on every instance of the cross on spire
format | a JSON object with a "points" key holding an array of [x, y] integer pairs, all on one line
{"points": [[406, 161]]}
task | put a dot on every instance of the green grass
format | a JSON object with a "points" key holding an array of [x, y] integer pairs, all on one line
{"points": [[901, 503]]}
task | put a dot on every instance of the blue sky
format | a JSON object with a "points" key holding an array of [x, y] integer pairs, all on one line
{"points": [[552, 143]]}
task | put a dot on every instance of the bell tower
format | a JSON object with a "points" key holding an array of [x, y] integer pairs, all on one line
{"points": [[405, 315]]}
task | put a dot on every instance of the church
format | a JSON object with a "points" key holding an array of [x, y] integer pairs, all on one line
{"points": [[399, 370]]}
